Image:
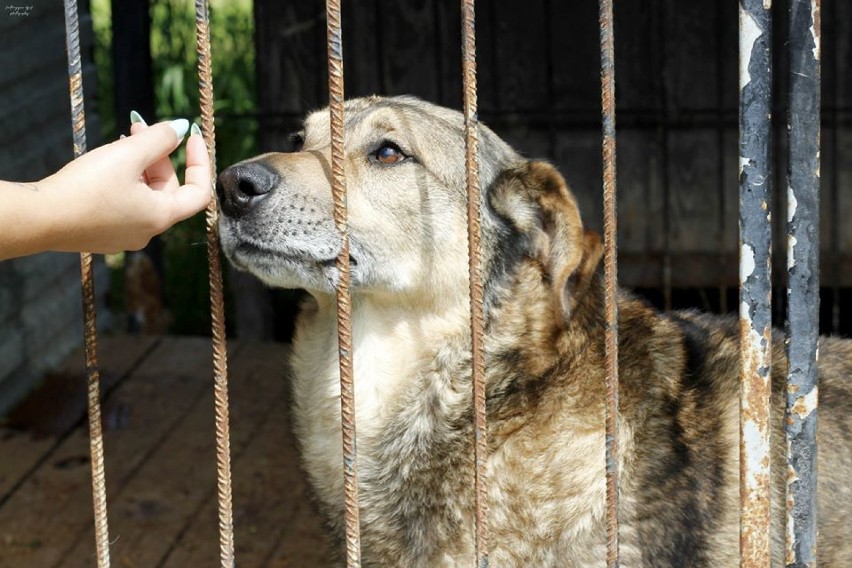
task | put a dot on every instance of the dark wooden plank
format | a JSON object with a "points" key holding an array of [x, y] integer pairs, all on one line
{"points": [[488, 66], [162, 500], [448, 48], [690, 42], [693, 195], [522, 48], [39, 423], [731, 153], [844, 180], [291, 55], [409, 58], [51, 512], [362, 48], [575, 53], [639, 198], [270, 491], [578, 156], [636, 69], [301, 545], [843, 52]]}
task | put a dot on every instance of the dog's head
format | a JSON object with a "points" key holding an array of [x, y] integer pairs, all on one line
{"points": [[405, 178]]}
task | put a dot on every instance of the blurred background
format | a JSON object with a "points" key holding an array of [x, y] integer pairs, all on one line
{"points": [[539, 89]]}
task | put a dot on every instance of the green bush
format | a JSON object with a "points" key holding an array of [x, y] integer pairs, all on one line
{"points": [[176, 95]]}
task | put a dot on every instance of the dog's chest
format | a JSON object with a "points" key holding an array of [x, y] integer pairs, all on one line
{"points": [[415, 457]]}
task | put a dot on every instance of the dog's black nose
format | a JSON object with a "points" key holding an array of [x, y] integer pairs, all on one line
{"points": [[242, 185]]}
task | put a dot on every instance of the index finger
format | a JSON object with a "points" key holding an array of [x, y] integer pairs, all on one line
{"points": [[198, 170], [156, 141]]}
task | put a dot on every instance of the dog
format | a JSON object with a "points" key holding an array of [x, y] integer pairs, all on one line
{"points": [[544, 349]]}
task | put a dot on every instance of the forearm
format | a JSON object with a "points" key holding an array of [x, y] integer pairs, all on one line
{"points": [[26, 215]]}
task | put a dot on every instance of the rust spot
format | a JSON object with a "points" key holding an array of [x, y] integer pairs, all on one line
{"points": [[817, 20], [792, 477], [805, 405]]}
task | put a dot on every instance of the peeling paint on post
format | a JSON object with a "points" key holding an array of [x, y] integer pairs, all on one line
{"points": [[803, 282], [755, 280]]}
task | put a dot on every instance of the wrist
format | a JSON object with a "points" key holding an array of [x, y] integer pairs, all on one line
{"points": [[60, 213], [25, 218]]}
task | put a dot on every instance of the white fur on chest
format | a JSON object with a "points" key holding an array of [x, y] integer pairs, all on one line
{"points": [[389, 347]]}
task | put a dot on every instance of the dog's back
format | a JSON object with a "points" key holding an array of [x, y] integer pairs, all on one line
{"points": [[719, 337]]}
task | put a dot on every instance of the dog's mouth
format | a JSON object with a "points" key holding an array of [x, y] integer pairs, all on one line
{"points": [[332, 262], [248, 253]]}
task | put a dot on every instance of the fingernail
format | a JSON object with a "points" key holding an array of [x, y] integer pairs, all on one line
{"points": [[194, 130], [122, 137], [136, 117], [180, 126]]}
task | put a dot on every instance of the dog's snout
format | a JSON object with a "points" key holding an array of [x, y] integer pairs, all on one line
{"points": [[241, 186]]}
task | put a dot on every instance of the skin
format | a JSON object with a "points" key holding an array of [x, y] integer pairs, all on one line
{"points": [[114, 198]]}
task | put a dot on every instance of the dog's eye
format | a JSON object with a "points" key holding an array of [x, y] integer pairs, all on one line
{"points": [[297, 141], [389, 154]]}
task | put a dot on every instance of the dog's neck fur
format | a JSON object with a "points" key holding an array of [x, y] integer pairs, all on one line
{"points": [[413, 404]]}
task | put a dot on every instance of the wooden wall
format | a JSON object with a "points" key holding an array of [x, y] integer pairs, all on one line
{"points": [[40, 306], [539, 88]]}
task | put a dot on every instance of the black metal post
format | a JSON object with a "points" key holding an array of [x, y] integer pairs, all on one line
{"points": [[803, 281]]}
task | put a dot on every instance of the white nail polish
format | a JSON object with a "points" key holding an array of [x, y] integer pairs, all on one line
{"points": [[135, 117], [180, 126]]}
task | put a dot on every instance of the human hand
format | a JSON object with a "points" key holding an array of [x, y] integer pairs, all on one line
{"points": [[118, 196]]}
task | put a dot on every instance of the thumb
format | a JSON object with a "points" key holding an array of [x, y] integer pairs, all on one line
{"points": [[155, 142], [187, 201]]}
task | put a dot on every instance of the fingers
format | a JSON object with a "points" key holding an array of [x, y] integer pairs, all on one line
{"points": [[197, 162], [187, 201], [197, 192], [161, 174], [153, 146], [195, 195], [155, 142]]}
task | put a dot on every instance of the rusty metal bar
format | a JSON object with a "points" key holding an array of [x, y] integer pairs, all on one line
{"points": [[610, 278], [803, 173], [96, 441], [477, 326], [217, 307], [755, 280], [344, 306]]}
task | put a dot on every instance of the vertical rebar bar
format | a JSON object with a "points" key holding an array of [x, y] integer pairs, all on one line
{"points": [[217, 308], [755, 280], [803, 177], [610, 277], [87, 276], [344, 306], [471, 126], [720, 158]]}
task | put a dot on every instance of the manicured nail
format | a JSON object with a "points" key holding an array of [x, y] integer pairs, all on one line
{"points": [[136, 117], [180, 126], [194, 130]]}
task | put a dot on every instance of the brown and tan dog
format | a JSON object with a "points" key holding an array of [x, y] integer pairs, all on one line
{"points": [[545, 363]]}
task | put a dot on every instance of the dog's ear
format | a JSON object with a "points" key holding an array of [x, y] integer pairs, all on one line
{"points": [[535, 199]]}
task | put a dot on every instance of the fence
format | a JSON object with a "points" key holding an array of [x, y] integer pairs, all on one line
{"points": [[755, 281]]}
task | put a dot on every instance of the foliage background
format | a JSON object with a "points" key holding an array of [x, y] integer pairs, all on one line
{"points": [[176, 95]]}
